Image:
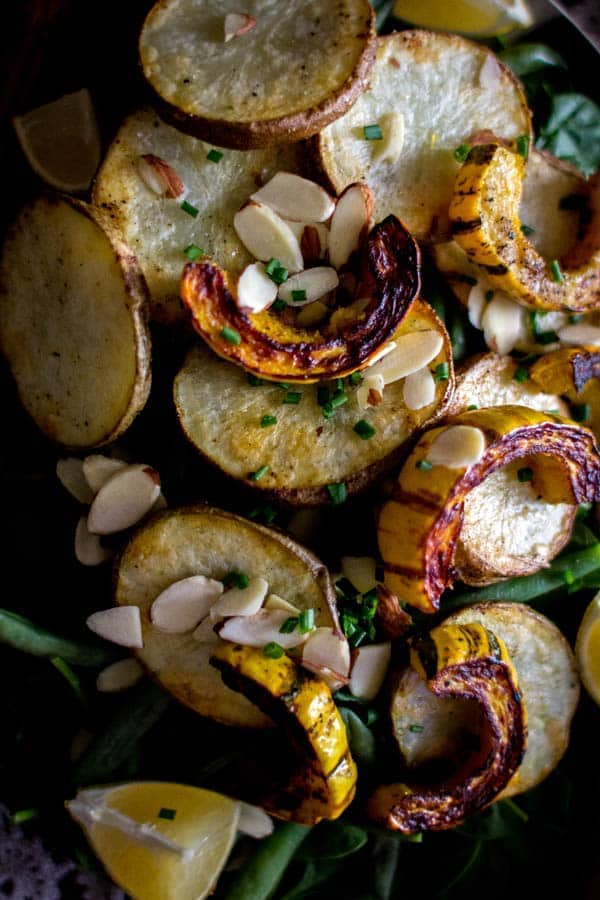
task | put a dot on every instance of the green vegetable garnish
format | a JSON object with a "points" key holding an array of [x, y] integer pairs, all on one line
{"points": [[193, 252], [273, 650], [231, 336], [337, 493], [307, 621], [267, 421], [259, 473], [364, 429], [189, 209], [373, 132], [166, 813], [214, 156]]}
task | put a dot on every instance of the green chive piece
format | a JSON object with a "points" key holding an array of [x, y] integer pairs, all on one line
{"points": [[322, 395], [254, 380], [337, 493], [580, 412], [472, 406], [355, 379], [258, 474], [273, 650], [231, 336], [327, 410], [416, 729], [289, 625], [267, 421], [527, 230], [278, 305], [189, 209], [293, 398], [522, 145], [284, 385], [521, 374], [568, 576], [24, 815], [267, 513], [298, 296], [237, 579], [525, 474], [193, 252], [364, 429], [338, 399], [489, 295], [166, 813], [461, 153], [442, 372], [556, 271], [276, 272], [373, 132], [345, 587], [306, 621], [339, 384], [424, 465], [214, 156], [546, 337]]}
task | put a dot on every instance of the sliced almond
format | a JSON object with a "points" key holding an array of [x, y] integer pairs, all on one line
{"points": [[69, 472], [159, 176], [205, 632], [419, 389], [255, 290], [304, 524], [261, 629], [360, 571], [370, 391], [350, 223], [411, 353], [237, 24], [314, 242], [328, 655], [382, 353], [88, 548], [241, 601], [457, 447], [369, 670], [490, 73], [312, 314], [98, 469], [274, 601], [183, 605], [120, 624], [124, 499], [119, 676], [313, 283], [254, 821], [266, 236], [476, 303], [503, 323], [389, 148], [296, 198], [580, 335]]}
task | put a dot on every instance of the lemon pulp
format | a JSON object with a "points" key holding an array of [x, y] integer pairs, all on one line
{"points": [[475, 17]]}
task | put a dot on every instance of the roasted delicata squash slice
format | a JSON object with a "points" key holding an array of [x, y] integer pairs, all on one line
{"points": [[271, 73], [221, 412], [420, 525], [486, 223], [575, 373], [155, 226], [387, 283], [323, 775], [73, 322], [429, 93], [469, 663], [191, 541]]}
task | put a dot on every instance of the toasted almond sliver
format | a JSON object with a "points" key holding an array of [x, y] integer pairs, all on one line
{"points": [[457, 447], [369, 670], [419, 389], [388, 150], [371, 387], [160, 177], [360, 571], [503, 323], [314, 242], [255, 290], [266, 236], [312, 314], [119, 676], [490, 73], [254, 821], [349, 223], [296, 198], [241, 601], [98, 469], [183, 605], [315, 283], [382, 353], [274, 601], [88, 549], [237, 24], [261, 629], [476, 302], [326, 649], [411, 353], [580, 335], [121, 624], [69, 472], [124, 499]]}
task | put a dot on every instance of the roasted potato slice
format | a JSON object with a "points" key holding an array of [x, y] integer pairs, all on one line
{"points": [[73, 322], [428, 94], [420, 525], [204, 541], [575, 372], [221, 413], [156, 227], [286, 73], [464, 663]]}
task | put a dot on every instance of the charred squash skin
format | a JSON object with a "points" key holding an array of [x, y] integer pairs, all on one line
{"points": [[388, 276], [419, 525], [466, 662], [323, 782], [573, 372], [484, 213]]}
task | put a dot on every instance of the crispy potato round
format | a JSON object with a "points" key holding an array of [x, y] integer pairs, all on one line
{"points": [[220, 412], [73, 322], [204, 541], [298, 67]]}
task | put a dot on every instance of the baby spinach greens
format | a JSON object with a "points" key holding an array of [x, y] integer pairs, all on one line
{"points": [[263, 872]]}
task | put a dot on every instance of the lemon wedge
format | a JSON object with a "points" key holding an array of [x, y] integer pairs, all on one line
{"points": [[479, 18], [587, 649], [159, 841], [61, 141]]}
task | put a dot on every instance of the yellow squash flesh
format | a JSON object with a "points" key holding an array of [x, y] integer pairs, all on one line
{"points": [[573, 372]]}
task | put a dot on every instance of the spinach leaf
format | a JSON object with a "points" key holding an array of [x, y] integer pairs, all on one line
{"points": [[572, 131], [360, 737], [315, 873], [524, 59], [333, 840]]}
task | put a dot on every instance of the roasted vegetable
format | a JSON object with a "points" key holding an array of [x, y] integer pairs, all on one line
{"points": [[204, 541], [471, 663], [323, 778], [420, 525], [574, 373], [485, 222]]}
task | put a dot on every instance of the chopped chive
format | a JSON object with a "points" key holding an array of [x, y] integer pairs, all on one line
{"points": [[258, 474], [214, 156], [461, 153], [237, 579], [339, 384], [231, 336], [556, 271], [358, 636], [338, 399], [355, 378], [373, 132], [442, 372], [322, 395], [337, 493], [472, 406], [289, 625], [306, 621], [345, 587], [521, 374], [267, 421], [298, 296], [193, 252], [284, 385], [327, 410], [364, 429], [293, 398], [254, 380], [424, 465], [525, 474], [546, 337], [522, 145], [568, 576], [574, 319], [276, 272], [489, 295], [416, 729], [189, 209], [166, 813], [273, 650], [267, 513], [527, 229], [278, 305], [580, 412], [24, 815]]}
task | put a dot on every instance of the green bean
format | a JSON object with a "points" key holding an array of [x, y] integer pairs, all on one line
{"points": [[22, 634], [263, 872]]}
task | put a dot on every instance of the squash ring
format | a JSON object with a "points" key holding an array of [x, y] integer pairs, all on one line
{"points": [[573, 372]]}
